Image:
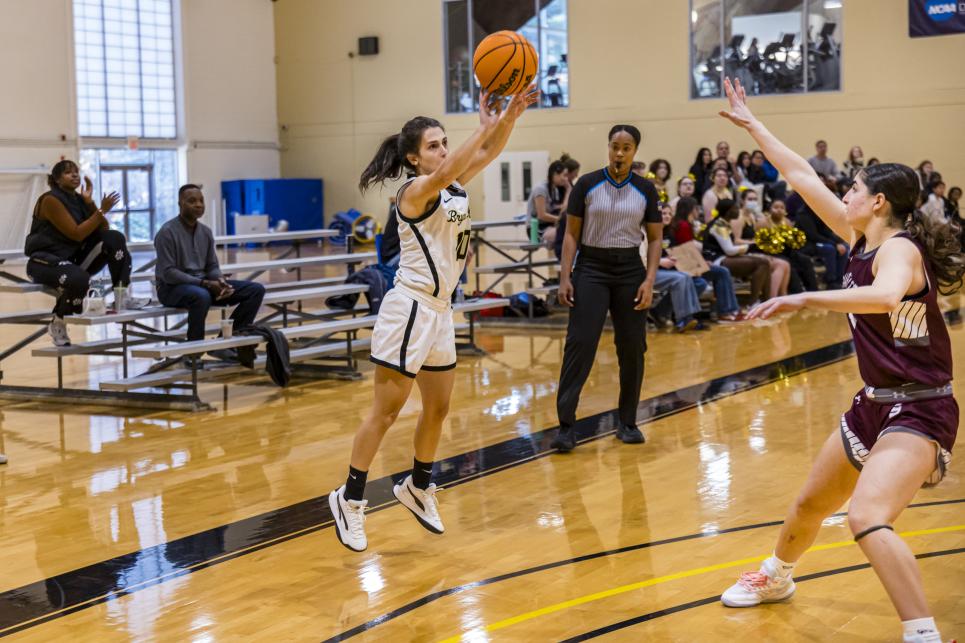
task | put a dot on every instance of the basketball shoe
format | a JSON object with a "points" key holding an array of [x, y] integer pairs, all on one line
{"points": [[349, 518], [754, 588], [422, 504]]}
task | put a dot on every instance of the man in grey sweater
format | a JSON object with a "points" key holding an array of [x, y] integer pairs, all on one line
{"points": [[822, 163], [187, 271]]}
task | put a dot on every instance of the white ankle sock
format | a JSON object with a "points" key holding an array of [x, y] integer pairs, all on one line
{"points": [[921, 630], [777, 568]]}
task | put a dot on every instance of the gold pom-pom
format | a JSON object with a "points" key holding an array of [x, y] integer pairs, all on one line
{"points": [[769, 240]]}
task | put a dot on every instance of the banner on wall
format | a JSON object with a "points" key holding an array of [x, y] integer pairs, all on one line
{"points": [[935, 17]]}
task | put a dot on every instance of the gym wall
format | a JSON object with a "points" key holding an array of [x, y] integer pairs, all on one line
{"points": [[903, 99], [229, 104]]}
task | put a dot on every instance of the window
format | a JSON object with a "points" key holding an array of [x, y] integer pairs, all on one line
{"points": [[147, 182], [124, 55], [125, 68], [764, 48], [542, 22]]}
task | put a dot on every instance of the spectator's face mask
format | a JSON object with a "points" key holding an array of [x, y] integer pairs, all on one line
{"points": [[753, 205]]}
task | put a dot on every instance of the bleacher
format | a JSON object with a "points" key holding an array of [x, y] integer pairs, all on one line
{"points": [[323, 342]]}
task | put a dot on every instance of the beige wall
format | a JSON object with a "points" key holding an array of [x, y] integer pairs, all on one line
{"points": [[903, 99], [229, 116]]}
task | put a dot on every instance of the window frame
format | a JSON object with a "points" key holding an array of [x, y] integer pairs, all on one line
{"points": [[472, 49], [805, 15], [102, 141]]}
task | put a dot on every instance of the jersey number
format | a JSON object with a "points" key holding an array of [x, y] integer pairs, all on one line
{"points": [[462, 244]]}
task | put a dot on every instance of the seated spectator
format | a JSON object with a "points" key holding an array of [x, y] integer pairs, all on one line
{"points": [[933, 199], [743, 169], [719, 189], [685, 221], [546, 201], [720, 249], [686, 185], [801, 264], [873, 161], [723, 153], [69, 241], [761, 172], [701, 170], [854, 164], [925, 170], [821, 162], [951, 203], [745, 226], [188, 274], [572, 173], [821, 241], [682, 296], [661, 171]]}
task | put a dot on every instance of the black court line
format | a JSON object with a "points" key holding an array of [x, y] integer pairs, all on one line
{"points": [[42, 601], [713, 599], [435, 596]]}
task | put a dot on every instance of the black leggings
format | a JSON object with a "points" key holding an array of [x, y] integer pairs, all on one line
{"points": [[71, 277]]}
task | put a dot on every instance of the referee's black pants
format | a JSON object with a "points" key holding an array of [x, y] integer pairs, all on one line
{"points": [[604, 279]]}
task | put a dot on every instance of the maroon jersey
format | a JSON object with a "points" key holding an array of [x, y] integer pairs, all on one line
{"points": [[908, 345]]}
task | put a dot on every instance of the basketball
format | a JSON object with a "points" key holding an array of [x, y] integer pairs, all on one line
{"points": [[505, 63]]}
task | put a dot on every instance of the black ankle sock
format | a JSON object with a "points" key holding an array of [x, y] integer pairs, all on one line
{"points": [[421, 474], [355, 484]]}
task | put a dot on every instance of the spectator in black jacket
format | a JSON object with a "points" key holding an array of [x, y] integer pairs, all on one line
{"points": [[821, 241]]}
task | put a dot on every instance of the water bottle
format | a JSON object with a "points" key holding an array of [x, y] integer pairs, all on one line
{"points": [[533, 230]]}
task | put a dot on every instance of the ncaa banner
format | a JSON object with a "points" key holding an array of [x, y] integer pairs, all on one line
{"points": [[935, 17]]}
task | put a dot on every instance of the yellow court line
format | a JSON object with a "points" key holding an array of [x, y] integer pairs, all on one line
{"points": [[589, 598]]}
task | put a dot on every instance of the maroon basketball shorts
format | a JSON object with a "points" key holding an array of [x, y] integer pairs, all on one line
{"points": [[924, 412]]}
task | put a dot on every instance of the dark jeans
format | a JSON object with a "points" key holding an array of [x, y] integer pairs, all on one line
{"points": [[247, 296], [604, 280], [835, 264], [71, 276]]}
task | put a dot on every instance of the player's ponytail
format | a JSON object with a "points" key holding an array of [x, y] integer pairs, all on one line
{"points": [[392, 156], [940, 237]]}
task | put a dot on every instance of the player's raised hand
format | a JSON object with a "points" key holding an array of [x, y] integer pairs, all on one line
{"points": [[489, 109], [739, 114], [521, 101]]}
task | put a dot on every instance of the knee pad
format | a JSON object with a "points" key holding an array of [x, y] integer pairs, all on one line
{"points": [[858, 536]]}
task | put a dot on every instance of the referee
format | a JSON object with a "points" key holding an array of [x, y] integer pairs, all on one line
{"points": [[606, 212]]}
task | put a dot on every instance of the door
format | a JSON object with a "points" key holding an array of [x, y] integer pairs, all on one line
{"points": [[134, 214], [507, 184]]}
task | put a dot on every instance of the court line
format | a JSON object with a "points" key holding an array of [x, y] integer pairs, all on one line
{"points": [[713, 599], [31, 605], [659, 580], [435, 596]]}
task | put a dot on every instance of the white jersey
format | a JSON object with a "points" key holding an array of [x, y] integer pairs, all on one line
{"points": [[434, 245]]}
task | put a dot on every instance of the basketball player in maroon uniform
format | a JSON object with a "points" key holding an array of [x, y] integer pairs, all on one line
{"points": [[899, 432]]}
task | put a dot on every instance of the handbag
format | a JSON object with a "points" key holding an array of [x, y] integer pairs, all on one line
{"points": [[94, 303]]}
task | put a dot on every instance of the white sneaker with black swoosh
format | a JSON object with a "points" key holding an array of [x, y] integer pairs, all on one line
{"points": [[422, 504], [349, 518]]}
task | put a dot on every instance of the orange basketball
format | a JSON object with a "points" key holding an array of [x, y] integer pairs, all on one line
{"points": [[505, 63]]}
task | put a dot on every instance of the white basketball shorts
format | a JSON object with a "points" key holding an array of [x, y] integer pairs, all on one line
{"points": [[410, 336]]}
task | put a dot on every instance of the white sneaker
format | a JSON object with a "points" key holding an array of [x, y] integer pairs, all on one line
{"points": [[754, 588], [58, 331], [3, 459], [349, 519], [136, 303], [422, 504]]}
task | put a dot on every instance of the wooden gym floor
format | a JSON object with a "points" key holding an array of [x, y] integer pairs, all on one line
{"points": [[215, 526]]}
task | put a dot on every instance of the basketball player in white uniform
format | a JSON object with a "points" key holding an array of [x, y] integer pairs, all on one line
{"points": [[414, 339]]}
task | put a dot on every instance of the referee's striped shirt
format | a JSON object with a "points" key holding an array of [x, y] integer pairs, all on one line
{"points": [[613, 213]]}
